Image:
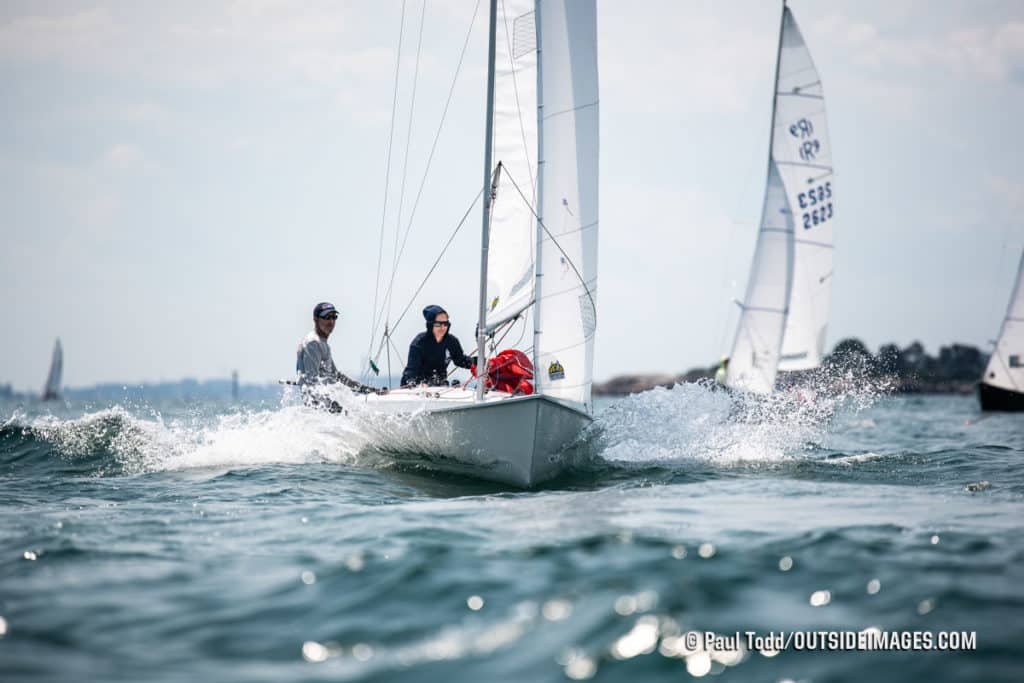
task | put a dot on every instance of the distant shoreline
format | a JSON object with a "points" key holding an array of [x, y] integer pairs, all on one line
{"points": [[956, 370]]}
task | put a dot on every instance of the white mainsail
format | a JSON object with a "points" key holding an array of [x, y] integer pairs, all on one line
{"points": [[566, 316], [785, 309], [54, 379], [801, 150], [546, 139], [1006, 366]]}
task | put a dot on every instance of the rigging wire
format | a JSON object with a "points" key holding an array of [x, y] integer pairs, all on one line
{"points": [[387, 178], [378, 315], [405, 162], [568, 260], [430, 272]]}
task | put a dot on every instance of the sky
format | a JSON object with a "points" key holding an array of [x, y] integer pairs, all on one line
{"points": [[181, 182]]}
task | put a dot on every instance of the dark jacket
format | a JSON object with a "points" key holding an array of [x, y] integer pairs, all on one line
{"points": [[428, 359]]}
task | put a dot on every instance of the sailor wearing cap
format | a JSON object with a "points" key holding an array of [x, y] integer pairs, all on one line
{"points": [[313, 361]]}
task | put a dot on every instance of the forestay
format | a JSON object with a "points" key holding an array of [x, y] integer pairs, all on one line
{"points": [[548, 150], [803, 155], [1006, 366]]}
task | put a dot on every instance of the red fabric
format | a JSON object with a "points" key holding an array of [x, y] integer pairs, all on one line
{"points": [[510, 371]]}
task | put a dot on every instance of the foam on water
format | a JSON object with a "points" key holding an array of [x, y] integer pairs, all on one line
{"points": [[133, 444], [697, 422], [688, 423]]}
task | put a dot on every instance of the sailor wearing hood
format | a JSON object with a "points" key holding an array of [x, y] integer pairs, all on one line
{"points": [[430, 351]]}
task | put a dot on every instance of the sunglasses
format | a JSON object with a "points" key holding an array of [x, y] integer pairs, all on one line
{"points": [[331, 316], [443, 324]]}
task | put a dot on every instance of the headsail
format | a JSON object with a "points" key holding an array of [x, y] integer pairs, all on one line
{"points": [[801, 150], [546, 139], [1006, 366], [54, 379], [755, 352], [510, 269]]}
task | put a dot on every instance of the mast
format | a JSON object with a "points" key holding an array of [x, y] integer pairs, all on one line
{"points": [[540, 195], [752, 308], [481, 333], [775, 91]]}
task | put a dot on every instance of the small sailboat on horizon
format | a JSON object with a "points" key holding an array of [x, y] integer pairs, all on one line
{"points": [[1002, 386], [54, 379], [784, 312]]}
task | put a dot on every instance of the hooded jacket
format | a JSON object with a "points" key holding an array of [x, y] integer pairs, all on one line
{"points": [[428, 358]]}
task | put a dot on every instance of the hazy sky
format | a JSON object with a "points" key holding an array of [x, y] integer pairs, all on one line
{"points": [[181, 182]]}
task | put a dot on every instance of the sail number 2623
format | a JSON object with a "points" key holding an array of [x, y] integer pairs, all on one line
{"points": [[816, 205]]}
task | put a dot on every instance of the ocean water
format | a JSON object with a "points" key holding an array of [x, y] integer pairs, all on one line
{"points": [[225, 542]]}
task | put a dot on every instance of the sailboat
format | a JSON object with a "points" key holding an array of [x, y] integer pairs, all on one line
{"points": [[539, 254], [784, 312], [51, 391], [1002, 387]]}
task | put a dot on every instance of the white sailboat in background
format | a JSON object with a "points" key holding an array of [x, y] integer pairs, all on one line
{"points": [[51, 391], [1002, 387], [785, 309], [539, 256]]}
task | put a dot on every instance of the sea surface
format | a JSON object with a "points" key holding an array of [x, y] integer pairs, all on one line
{"points": [[217, 541]]}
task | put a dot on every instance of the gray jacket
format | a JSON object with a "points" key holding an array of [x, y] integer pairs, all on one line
{"points": [[314, 365]]}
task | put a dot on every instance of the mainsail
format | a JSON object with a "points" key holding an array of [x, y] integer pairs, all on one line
{"points": [[801, 149], [785, 309], [546, 141], [1006, 366], [53, 380]]}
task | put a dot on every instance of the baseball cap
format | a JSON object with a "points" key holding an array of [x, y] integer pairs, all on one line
{"points": [[323, 309]]}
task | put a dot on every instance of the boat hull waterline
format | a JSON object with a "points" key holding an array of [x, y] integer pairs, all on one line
{"points": [[997, 399], [517, 440]]}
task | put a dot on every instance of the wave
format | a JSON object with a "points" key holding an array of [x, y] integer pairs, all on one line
{"points": [[659, 429], [116, 442]]}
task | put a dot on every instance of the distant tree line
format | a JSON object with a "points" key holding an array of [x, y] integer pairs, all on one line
{"points": [[956, 369]]}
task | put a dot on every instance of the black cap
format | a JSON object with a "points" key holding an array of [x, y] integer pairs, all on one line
{"points": [[323, 309]]}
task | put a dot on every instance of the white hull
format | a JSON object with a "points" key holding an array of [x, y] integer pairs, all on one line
{"points": [[513, 440]]}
